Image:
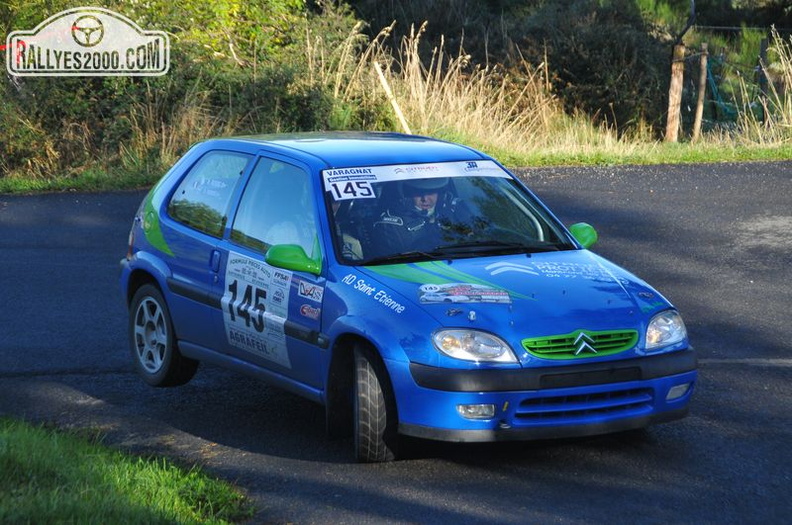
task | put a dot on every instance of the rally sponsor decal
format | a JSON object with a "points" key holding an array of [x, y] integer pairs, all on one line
{"points": [[555, 270], [311, 312], [356, 183], [255, 305], [366, 288], [438, 272], [462, 293], [311, 291]]}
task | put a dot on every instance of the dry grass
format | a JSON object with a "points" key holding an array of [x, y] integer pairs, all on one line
{"points": [[770, 123], [168, 131], [512, 114]]}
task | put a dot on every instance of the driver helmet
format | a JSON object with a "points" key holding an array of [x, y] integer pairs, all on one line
{"points": [[413, 187]]}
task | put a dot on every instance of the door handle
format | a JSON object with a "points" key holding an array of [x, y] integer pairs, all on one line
{"points": [[215, 261]]}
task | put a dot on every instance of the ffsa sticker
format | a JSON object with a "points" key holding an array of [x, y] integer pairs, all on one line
{"points": [[255, 304]]}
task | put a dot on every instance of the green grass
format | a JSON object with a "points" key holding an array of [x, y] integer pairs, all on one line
{"points": [[55, 477], [92, 180]]}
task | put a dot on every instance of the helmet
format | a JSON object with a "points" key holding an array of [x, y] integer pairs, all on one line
{"points": [[421, 186]]}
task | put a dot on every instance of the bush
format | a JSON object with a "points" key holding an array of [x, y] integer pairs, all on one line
{"points": [[236, 67], [603, 58]]}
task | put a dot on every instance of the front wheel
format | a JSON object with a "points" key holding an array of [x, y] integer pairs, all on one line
{"points": [[153, 343], [375, 418]]}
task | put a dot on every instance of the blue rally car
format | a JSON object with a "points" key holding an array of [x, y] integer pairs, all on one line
{"points": [[411, 286]]}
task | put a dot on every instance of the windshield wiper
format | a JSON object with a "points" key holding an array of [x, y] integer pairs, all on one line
{"points": [[496, 246], [467, 249], [396, 258]]}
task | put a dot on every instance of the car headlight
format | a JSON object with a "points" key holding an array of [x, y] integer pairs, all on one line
{"points": [[666, 328], [472, 345]]}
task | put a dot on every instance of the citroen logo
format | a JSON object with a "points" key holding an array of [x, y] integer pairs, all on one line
{"points": [[584, 343]]}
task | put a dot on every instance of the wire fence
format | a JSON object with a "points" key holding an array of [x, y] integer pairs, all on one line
{"points": [[739, 72]]}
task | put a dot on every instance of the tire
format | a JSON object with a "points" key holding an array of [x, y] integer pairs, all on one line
{"points": [[375, 420], [152, 341]]}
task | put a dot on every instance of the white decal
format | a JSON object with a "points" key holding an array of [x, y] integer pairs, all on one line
{"points": [[569, 270], [255, 305], [555, 270], [311, 291], [381, 296], [356, 183], [498, 268], [351, 190]]}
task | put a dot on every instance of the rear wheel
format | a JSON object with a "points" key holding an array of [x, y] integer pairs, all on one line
{"points": [[152, 341], [375, 418]]}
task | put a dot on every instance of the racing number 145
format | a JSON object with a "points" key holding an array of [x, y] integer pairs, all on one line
{"points": [[352, 190], [249, 307]]}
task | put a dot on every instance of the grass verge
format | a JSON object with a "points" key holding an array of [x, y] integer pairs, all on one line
{"points": [[56, 477]]}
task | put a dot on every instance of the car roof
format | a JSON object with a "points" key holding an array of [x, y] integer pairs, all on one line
{"points": [[348, 149]]}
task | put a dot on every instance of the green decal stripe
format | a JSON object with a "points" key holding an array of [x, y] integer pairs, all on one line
{"points": [[409, 273], [151, 226], [563, 346]]}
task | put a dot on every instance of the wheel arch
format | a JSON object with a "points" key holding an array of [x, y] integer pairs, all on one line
{"points": [[138, 278], [145, 268], [339, 383]]}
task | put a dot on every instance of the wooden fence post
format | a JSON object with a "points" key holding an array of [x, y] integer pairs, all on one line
{"points": [[762, 70], [675, 93], [702, 91]]}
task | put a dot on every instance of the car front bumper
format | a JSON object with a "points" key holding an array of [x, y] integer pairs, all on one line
{"points": [[550, 402]]}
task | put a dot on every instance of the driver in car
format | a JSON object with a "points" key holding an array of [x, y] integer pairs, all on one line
{"points": [[427, 216]]}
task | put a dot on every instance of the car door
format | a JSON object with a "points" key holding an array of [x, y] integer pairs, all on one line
{"points": [[271, 316], [196, 215]]}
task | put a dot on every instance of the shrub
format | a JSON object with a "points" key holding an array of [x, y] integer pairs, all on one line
{"points": [[236, 67], [603, 58]]}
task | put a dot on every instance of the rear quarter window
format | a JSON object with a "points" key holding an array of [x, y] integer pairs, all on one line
{"points": [[202, 198]]}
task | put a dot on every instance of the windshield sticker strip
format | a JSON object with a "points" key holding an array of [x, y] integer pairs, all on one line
{"points": [[353, 183]]}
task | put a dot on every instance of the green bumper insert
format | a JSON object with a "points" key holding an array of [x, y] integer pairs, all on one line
{"points": [[581, 344]]}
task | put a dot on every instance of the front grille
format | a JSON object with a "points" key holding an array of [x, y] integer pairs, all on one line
{"points": [[584, 408], [581, 344]]}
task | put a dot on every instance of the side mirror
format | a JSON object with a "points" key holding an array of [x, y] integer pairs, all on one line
{"points": [[292, 257], [584, 233]]}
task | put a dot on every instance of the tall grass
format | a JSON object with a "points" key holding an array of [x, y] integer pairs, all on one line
{"points": [[773, 123], [511, 113], [161, 132], [514, 114]]}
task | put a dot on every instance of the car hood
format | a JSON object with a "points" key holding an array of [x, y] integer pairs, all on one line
{"points": [[523, 296]]}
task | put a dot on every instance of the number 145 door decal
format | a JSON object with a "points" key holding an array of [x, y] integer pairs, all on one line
{"points": [[255, 306]]}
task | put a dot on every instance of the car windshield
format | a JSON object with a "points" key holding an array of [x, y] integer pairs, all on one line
{"points": [[409, 213]]}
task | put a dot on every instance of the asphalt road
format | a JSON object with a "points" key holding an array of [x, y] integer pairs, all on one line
{"points": [[715, 239]]}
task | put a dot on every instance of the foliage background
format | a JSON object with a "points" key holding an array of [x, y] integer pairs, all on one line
{"points": [[265, 66]]}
